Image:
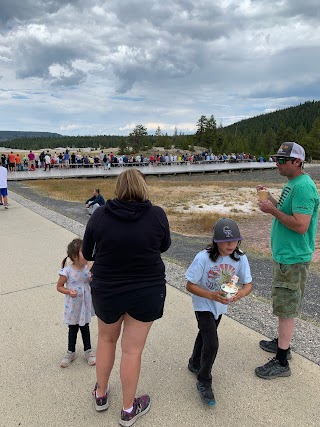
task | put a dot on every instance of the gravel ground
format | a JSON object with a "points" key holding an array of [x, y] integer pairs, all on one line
{"points": [[254, 311]]}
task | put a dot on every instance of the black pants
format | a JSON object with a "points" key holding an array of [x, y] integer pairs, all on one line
{"points": [[72, 337], [206, 345]]}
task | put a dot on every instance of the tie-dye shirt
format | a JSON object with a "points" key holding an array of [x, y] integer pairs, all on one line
{"points": [[211, 275]]}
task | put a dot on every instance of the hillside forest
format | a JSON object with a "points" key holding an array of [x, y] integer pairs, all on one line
{"points": [[260, 135]]}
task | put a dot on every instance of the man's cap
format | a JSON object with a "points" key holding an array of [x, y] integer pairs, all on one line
{"points": [[225, 230], [291, 149]]}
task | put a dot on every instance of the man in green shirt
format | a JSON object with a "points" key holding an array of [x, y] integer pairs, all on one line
{"points": [[293, 234]]}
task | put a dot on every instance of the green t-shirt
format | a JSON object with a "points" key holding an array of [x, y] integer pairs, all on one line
{"points": [[300, 195]]}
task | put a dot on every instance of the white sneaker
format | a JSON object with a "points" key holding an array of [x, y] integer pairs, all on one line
{"points": [[90, 357], [67, 359]]}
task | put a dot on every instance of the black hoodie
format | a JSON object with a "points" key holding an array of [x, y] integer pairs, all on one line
{"points": [[125, 240]]}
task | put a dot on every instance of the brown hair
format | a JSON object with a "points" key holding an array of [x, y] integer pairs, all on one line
{"points": [[73, 250], [131, 186]]}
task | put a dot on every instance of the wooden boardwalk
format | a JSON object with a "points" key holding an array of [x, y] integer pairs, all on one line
{"points": [[158, 170]]}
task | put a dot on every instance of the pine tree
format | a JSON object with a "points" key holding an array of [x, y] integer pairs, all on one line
{"points": [[201, 129], [311, 143], [138, 138]]}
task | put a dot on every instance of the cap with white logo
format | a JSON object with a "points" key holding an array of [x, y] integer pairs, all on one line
{"points": [[225, 230], [291, 149]]}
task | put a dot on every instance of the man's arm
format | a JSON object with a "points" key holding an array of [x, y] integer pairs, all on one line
{"points": [[296, 222]]}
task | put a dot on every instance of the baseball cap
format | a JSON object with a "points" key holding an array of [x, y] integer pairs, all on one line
{"points": [[291, 149], [225, 230]]}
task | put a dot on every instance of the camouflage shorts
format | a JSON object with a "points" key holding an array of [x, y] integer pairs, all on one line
{"points": [[289, 281]]}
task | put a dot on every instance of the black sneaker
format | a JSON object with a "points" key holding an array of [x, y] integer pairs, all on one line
{"points": [[141, 406], [272, 347], [272, 370], [206, 393], [101, 403], [193, 369]]}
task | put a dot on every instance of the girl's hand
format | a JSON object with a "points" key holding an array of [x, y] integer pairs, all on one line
{"points": [[218, 296], [73, 293], [237, 296]]}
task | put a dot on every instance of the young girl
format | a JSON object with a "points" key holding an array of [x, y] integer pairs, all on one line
{"points": [[74, 282], [209, 270]]}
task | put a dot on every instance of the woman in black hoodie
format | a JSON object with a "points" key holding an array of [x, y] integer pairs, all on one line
{"points": [[125, 238]]}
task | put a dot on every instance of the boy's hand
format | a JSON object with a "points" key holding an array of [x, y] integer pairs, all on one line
{"points": [[73, 293]]}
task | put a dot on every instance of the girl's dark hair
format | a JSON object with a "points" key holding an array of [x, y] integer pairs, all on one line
{"points": [[214, 254], [73, 250]]}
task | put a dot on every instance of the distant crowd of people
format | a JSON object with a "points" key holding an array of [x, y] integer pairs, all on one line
{"points": [[46, 160]]}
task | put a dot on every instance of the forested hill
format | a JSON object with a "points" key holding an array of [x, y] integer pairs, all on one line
{"points": [[292, 117], [6, 135], [260, 136]]}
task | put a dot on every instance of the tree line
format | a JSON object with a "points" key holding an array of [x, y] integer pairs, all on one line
{"points": [[260, 136]]}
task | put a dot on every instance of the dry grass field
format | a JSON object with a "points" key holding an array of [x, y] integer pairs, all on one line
{"points": [[192, 206], [194, 203]]}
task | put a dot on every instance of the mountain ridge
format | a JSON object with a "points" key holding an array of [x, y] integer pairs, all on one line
{"points": [[8, 135]]}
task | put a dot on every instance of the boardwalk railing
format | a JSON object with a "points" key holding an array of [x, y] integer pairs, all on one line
{"points": [[147, 169]]}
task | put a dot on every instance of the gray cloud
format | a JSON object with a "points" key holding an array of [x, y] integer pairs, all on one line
{"points": [[74, 78], [183, 58], [34, 58], [17, 10], [308, 9]]}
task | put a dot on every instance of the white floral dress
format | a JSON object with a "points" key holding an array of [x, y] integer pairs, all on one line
{"points": [[78, 310]]}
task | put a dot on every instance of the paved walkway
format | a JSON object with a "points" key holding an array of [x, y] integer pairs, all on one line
{"points": [[147, 170], [35, 391]]}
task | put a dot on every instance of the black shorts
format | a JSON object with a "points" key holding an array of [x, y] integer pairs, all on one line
{"points": [[145, 305]]}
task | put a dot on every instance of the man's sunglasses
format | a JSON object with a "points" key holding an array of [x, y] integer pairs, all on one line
{"points": [[283, 160]]}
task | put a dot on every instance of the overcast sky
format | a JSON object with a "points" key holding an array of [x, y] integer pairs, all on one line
{"points": [[89, 67]]}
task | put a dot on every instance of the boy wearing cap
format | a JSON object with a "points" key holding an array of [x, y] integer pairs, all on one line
{"points": [[221, 261], [293, 234]]}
